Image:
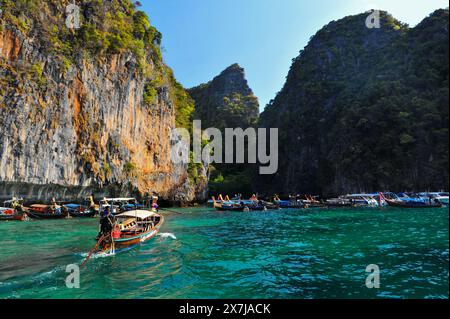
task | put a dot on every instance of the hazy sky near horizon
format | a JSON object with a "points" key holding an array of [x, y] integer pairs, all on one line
{"points": [[203, 37]]}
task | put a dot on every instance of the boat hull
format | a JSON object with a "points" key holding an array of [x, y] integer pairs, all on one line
{"points": [[411, 205], [15, 216], [78, 211], [230, 209], [87, 214], [41, 215], [127, 243]]}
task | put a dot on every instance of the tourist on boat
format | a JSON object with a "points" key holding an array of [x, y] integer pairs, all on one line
{"points": [[155, 206], [254, 198], [53, 205], [16, 205], [91, 202]]}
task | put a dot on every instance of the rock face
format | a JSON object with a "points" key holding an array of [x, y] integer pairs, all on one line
{"points": [[364, 110], [84, 125], [226, 101]]}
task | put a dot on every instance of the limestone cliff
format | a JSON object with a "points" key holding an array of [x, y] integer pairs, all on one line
{"points": [[227, 101], [90, 108], [364, 109]]}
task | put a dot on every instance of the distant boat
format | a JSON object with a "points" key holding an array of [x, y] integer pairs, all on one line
{"points": [[339, 202], [46, 212], [222, 205], [416, 203], [120, 205], [11, 214], [442, 197], [292, 203], [363, 200], [403, 204], [80, 211]]}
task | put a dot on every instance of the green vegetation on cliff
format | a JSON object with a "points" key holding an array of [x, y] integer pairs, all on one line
{"points": [[100, 92], [106, 28], [227, 102], [365, 109]]}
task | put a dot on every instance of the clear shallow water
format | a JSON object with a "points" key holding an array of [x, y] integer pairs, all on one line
{"points": [[206, 254]]}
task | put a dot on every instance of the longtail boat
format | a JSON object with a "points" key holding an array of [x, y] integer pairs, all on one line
{"points": [[120, 205], [294, 204], [339, 203], [80, 211], [223, 205], [412, 204], [131, 229], [46, 212], [11, 214], [395, 201]]}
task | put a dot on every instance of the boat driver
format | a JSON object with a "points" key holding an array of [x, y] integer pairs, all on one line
{"points": [[91, 202], [107, 222], [54, 205], [16, 205]]}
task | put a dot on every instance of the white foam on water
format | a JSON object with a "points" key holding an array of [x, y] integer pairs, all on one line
{"points": [[167, 235], [103, 255], [98, 255]]}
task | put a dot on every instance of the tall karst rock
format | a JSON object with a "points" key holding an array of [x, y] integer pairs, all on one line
{"points": [[227, 102], [90, 108], [365, 110]]}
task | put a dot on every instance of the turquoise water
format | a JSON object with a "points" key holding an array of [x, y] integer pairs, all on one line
{"points": [[281, 254]]}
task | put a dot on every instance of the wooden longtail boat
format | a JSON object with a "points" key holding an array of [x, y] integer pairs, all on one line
{"points": [[45, 212], [11, 214], [132, 228], [79, 211], [227, 206], [412, 204]]}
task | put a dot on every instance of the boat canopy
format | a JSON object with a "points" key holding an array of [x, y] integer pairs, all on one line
{"points": [[141, 214], [118, 199]]}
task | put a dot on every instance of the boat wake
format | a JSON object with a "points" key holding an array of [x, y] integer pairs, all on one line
{"points": [[167, 235], [98, 255]]}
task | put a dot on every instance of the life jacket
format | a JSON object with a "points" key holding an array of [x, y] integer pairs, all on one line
{"points": [[116, 233]]}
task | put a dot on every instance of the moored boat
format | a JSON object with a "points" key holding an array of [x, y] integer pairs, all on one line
{"points": [[80, 211], [223, 205], [292, 203], [11, 214], [120, 205], [13, 210], [38, 211], [339, 203], [400, 203], [364, 200], [442, 197]]}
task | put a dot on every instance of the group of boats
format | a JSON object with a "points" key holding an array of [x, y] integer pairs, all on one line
{"points": [[402, 200], [131, 223], [15, 210]]}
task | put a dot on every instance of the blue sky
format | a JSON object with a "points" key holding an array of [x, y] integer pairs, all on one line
{"points": [[203, 37]]}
